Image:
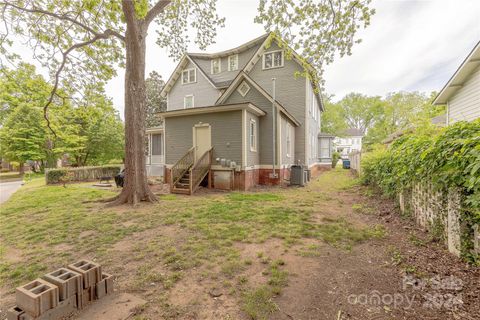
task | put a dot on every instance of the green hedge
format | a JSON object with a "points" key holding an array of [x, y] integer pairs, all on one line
{"points": [[81, 173], [449, 158]]}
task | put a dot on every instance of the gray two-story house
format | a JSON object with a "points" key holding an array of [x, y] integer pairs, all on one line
{"points": [[239, 118]]}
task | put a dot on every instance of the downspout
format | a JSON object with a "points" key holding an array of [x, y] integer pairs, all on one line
{"points": [[274, 131]]}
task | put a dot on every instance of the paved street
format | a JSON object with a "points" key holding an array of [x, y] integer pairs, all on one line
{"points": [[8, 188]]}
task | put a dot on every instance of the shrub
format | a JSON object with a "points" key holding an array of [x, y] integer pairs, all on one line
{"points": [[64, 175], [335, 157], [449, 158]]}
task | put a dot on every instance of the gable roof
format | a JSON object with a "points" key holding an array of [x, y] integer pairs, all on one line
{"points": [[178, 71], [243, 76], [296, 57], [468, 66]]}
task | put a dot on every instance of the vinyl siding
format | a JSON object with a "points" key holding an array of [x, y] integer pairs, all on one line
{"points": [[312, 125], [290, 92], [253, 157], [465, 104], [264, 147], [204, 93], [226, 135], [225, 75]]}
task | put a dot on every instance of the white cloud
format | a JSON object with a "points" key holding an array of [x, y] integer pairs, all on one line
{"points": [[410, 45]]}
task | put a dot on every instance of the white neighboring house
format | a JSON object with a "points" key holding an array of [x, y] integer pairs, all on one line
{"points": [[461, 94], [350, 141]]}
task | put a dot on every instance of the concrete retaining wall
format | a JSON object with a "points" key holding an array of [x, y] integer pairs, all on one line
{"points": [[437, 211]]}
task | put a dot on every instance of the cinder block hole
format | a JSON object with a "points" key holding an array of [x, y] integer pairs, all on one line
{"points": [[17, 309], [39, 289], [80, 263], [87, 267], [58, 272], [66, 276], [32, 285]]}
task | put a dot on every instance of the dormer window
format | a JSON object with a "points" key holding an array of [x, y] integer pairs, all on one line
{"points": [[273, 59], [233, 62], [216, 66], [189, 76], [243, 88]]}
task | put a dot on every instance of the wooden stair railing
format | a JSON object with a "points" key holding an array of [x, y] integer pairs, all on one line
{"points": [[182, 166], [200, 169]]}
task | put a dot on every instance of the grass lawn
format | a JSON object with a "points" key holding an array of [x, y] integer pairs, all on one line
{"points": [[184, 251]]}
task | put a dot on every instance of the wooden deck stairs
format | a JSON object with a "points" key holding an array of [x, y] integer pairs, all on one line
{"points": [[187, 174]]}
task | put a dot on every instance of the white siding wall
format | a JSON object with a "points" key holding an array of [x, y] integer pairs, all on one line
{"points": [[465, 104], [312, 125]]}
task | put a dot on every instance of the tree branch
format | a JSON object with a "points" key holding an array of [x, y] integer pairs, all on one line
{"points": [[65, 18], [99, 36], [156, 10]]}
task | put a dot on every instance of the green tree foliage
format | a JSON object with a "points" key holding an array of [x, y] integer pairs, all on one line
{"points": [[380, 117], [448, 157], [333, 121], [155, 103], [89, 130], [23, 136], [360, 111], [20, 87], [97, 130]]}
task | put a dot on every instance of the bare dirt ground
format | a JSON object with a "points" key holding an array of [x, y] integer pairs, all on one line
{"points": [[389, 278], [351, 257]]}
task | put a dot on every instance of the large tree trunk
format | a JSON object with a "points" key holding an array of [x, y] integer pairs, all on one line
{"points": [[135, 188]]}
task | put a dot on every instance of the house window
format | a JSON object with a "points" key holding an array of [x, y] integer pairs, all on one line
{"points": [[253, 135], [243, 88], [216, 66], [273, 59], [233, 62], [189, 76], [157, 145], [289, 140], [188, 101], [325, 148]]}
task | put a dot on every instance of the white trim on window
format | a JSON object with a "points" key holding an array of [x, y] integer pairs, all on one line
{"points": [[253, 135], [243, 88], [235, 67], [188, 79], [273, 65], [185, 101], [219, 60]]}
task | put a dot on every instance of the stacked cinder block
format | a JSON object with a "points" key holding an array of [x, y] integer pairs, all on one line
{"points": [[61, 292]]}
